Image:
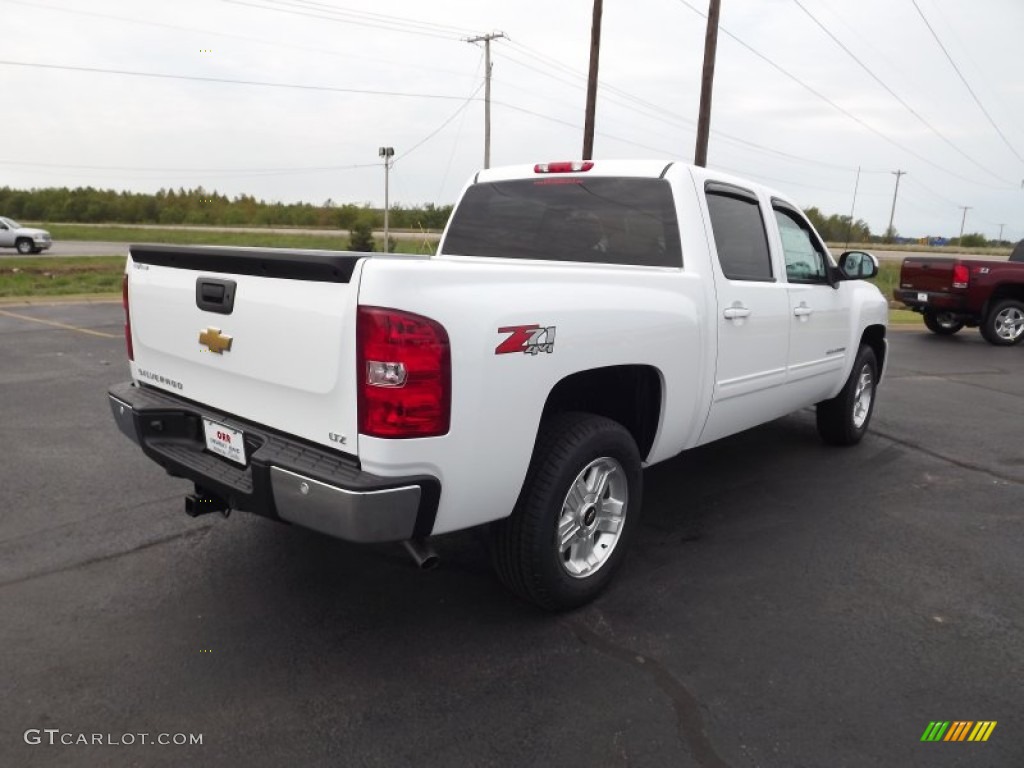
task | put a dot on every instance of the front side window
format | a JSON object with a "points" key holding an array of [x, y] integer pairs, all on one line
{"points": [[740, 237], [601, 220], [805, 259]]}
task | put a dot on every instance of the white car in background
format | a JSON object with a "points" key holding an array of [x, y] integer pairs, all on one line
{"points": [[25, 239]]}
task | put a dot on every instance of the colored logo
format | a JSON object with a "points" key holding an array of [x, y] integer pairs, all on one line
{"points": [[215, 341], [958, 730], [527, 339]]}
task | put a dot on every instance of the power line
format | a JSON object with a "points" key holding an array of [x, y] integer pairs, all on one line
{"points": [[231, 81], [439, 128], [649, 109], [966, 84], [892, 93], [228, 35], [357, 18], [830, 102]]}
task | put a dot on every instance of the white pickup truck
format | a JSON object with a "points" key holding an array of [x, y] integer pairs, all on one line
{"points": [[579, 322]]}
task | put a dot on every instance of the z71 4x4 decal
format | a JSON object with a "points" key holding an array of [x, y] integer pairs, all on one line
{"points": [[528, 339]]}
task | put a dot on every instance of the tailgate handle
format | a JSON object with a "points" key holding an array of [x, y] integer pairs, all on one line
{"points": [[213, 295]]}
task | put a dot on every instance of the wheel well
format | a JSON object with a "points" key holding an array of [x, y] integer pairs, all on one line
{"points": [[628, 394], [874, 337], [1007, 291]]}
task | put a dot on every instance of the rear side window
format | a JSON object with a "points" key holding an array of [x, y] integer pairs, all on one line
{"points": [[601, 220], [740, 236], [1018, 252]]}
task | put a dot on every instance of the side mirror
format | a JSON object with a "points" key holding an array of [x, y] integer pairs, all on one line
{"points": [[858, 265]]}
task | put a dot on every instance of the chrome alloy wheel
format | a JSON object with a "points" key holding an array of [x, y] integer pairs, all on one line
{"points": [[862, 396], [1009, 324], [592, 517]]}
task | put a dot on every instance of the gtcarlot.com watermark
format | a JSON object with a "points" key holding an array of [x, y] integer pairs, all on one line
{"points": [[57, 737]]}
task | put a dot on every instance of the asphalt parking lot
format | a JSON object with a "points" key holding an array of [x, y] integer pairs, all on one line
{"points": [[786, 604]]}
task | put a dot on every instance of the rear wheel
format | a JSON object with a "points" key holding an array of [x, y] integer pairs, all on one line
{"points": [[1004, 324], [575, 516], [844, 419], [942, 323], [24, 246]]}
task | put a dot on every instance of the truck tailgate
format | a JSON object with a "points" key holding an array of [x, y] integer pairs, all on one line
{"points": [[262, 332], [934, 275]]}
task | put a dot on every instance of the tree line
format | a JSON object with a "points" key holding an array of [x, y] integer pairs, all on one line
{"points": [[88, 205]]}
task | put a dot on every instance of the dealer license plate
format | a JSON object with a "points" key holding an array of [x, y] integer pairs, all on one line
{"points": [[224, 441], [922, 297]]}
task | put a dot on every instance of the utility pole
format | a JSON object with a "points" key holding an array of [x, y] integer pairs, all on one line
{"points": [[966, 208], [1000, 240], [595, 50], [849, 227], [892, 213], [387, 153], [704, 120], [486, 40]]}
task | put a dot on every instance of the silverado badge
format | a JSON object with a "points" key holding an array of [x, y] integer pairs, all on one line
{"points": [[215, 341]]}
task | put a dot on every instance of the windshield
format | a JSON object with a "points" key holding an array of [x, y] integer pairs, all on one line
{"points": [[10, 222], [599, 220]]}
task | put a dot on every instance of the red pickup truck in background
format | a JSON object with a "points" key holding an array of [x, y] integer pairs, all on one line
{"points": [[953, 293]]}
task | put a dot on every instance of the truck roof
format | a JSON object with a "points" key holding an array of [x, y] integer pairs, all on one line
{"points": [[637, 168], [646, 168]]}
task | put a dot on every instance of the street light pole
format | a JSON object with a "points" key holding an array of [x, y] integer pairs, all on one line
{"points": [[387, 153]]}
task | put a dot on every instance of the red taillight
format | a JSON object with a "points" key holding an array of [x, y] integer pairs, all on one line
{"points": [[127, 319], [404, 369], [961, 276], [572, 167]]}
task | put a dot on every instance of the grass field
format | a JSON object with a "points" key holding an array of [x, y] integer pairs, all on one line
{"points": [[56, 276]]}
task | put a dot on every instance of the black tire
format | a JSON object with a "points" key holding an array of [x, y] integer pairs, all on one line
{"points": [[844, 419], [525, 550], [1003, 326], [37, 250], [942, 323], [24, 246]]}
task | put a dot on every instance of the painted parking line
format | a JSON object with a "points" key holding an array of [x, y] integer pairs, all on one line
{"points": [[56, 324]]}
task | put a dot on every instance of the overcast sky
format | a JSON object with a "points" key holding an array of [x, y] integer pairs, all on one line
{"points": [[911, 111]]}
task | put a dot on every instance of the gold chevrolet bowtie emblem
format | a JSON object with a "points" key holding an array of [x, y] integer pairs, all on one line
{"points": [[215, 341]]}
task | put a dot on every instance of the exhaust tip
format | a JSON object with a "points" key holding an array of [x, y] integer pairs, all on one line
{"points": [[422, 554]]}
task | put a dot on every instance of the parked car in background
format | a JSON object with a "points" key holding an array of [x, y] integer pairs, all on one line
{"points": [[25, 239], [953, 293]]}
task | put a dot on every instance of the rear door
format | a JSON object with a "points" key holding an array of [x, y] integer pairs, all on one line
{"points": [[752, 315], [265, 335]]}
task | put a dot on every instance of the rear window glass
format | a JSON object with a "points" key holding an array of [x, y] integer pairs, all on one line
{"points": [[1018, 252], [601, 220], [739, 236]]}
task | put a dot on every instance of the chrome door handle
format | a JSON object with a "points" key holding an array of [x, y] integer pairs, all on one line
{"points": [[736, 313]]}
